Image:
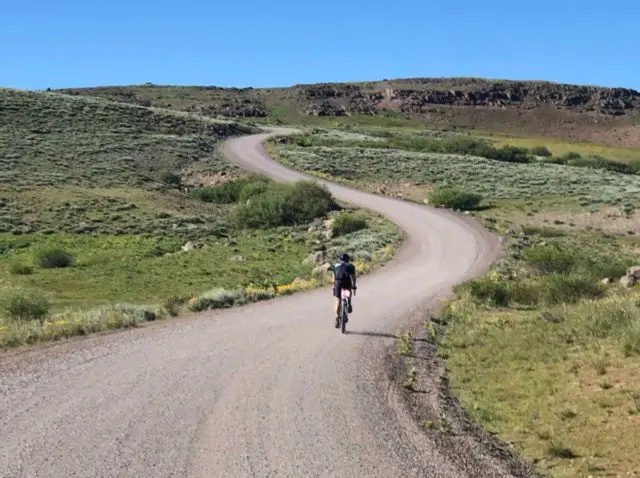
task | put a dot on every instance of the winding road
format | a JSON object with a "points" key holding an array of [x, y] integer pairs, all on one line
{"points": [[270, 389]]}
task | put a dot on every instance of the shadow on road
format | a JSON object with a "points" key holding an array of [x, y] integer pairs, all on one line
{"points": [[387, 335]]}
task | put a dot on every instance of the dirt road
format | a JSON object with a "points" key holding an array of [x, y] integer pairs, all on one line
{"points": [[271, 389]]}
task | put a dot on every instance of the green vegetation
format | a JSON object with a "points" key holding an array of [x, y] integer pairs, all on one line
{"points": [[347, 223], [94, 214], [454, 198], [491, 179], [526, 346], [286, 205]]}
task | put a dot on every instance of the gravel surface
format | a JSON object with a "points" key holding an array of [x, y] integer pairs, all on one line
{"points": [[270, 389]]}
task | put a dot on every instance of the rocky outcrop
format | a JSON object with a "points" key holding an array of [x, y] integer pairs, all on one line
{"points": [[339, 100]]}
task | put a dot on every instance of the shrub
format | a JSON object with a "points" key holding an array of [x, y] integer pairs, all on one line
{"points": [[170, 178], [21, 269], [173, 305], [255, 294], [454, 198], [551, 259], [568, 288], [26, 306], [286, 205], [486, 290], [510, 154], [232, 191], [541, 151], [347, 223], [217, 299], [55, 259]]}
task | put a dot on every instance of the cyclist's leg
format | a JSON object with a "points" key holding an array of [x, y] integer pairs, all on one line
{"points": [[337, 293]]}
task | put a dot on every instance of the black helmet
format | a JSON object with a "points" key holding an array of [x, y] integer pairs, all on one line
{"points": [[345, 257]]}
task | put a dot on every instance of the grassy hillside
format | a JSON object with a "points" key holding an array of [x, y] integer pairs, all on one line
{"points": [[94, 212], [607, 116], [543, 351]]}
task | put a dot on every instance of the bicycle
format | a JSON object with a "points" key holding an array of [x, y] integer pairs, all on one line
{"points": [[343, 315]]}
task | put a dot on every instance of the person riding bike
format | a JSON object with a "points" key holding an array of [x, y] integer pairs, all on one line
{"points": [[344, 277]]}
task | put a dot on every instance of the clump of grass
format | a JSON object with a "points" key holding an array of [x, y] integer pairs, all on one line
{"points": [[558, 450], [406, 344], [26, 306], [217, 299], [55, 259], [347, 223], [170, 178], [21, 269], [454, 198], [568, 288], [568, 414], [410, 380], [174, 304], [551, 259], [486, 290]]}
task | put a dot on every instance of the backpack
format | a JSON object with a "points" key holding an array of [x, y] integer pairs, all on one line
{"points": [[341, 271]]}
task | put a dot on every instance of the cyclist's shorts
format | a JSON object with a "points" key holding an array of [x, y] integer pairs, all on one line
{"points": [[339, 285]]}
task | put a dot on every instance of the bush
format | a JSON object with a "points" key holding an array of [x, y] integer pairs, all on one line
{"points": [[454, 198], [510, 154], [285, 205], [173, 305], [550, 259], [348, 223], [24, 307], [217, 299], [568, 288], [170, 178], [21, 269], [541, 151], [232, 191], [55, 259], [486, 290]]}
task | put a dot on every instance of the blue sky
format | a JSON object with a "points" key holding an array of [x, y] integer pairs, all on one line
{"points": [[257, 43]]}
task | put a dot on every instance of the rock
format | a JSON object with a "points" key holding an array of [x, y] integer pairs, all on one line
{"points": [[328, 234], [634, 271], [319, 257], [311, 229], [606, 281], [191, 245], [628, 281], [321, 271], [328, 224], [237, 259], [316, 258]]}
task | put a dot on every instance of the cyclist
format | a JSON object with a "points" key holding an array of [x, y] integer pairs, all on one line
{"points": [[344, 277]]}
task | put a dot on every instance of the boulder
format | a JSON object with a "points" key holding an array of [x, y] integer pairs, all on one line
{"points": [[606, 281], [315, 259], [634, 271], [191, 245], [321, 271], [628, 281]]}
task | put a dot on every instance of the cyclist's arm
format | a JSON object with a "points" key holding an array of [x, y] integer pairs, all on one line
{"points": [[353, 276]]}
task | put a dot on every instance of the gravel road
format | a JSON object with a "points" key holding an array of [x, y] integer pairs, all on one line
{"points": [[270, 389]]}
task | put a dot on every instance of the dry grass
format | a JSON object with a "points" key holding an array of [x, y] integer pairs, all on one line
{"points": [[524, 379]]}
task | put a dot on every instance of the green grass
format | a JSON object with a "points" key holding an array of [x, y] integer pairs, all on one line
{"points": [[529, 345], [492, 179], [93, 215]]}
